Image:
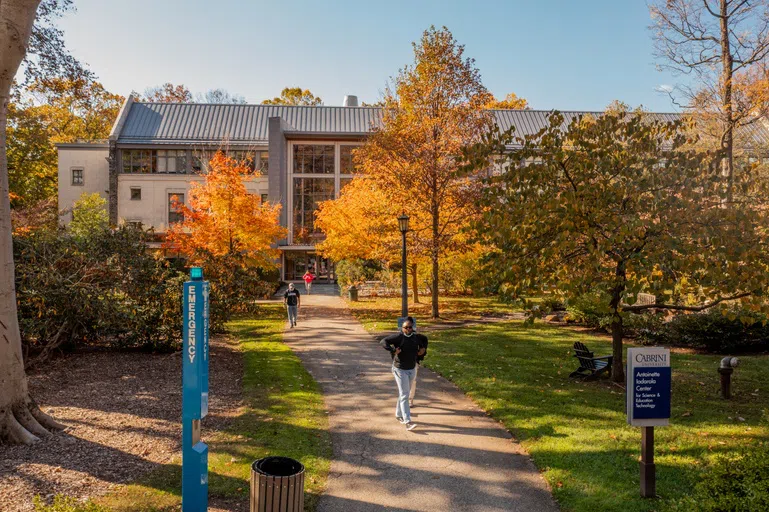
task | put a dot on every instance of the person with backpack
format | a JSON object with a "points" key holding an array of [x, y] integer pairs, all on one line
{"points": [[405, 347]]}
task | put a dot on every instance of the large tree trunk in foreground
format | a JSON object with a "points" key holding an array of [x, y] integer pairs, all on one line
{"points": [[20, 419]]}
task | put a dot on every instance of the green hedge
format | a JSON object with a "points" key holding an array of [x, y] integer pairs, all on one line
{"points": [[105, 288], [737, 484], [731, 331]]}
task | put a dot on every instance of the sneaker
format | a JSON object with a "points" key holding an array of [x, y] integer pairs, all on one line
{"points": [[399, 419], [411, 425]]}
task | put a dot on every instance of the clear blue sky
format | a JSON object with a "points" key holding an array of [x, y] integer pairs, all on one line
{"points": [[565, 54]]}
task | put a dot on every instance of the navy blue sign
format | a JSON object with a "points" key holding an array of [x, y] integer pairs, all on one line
{"points": [[194, 392], [648, 386], [651, 393]]}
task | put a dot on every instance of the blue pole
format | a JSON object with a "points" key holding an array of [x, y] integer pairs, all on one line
{"points": [[195, 359]]}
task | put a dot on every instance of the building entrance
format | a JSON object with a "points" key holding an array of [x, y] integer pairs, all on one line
{"points": [[296, 263]]}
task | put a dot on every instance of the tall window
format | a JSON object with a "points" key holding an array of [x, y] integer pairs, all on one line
{"points": [[170, 161], [313, 159], [175, 214], [137, 161], [263, 161], [77, 177], [346, 163], [254, 160], [308, 193], [163, 161]]}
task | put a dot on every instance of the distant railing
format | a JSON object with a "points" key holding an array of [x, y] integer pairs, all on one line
{"points": [[381, 289]]}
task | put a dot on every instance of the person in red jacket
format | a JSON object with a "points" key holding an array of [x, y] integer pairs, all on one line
{"points": [[308, 277]]}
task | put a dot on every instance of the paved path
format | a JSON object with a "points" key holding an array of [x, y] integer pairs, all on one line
{"points": [[457, 459]]}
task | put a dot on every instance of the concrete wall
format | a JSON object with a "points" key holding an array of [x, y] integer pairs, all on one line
{"points": [[92, 158], [152, 209]]}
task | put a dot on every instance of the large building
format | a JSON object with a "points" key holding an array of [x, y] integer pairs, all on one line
{"points": [[156, 150]]}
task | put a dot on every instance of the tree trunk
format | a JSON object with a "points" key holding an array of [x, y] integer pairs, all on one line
{"points": [[617, 367], [415, 283], [435, 250], [727, 65], [21, 421], [436, 313]]}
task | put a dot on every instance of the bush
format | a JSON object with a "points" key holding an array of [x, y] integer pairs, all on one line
{"points": [[644, 325], [551, 303], [104, 288], [235, 288], [732, 484], [734, 330], [591, 309], [351, 272]]}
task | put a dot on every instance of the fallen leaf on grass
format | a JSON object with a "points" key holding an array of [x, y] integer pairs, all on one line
{"points": [[686, 414]]}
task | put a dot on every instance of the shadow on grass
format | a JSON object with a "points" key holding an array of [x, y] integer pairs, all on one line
{"points": [[576, 431]]}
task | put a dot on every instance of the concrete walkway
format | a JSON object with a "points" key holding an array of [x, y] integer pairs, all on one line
{"points": [[457, 459]]}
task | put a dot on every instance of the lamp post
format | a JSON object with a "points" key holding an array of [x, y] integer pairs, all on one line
{"points": [[403, 224]]}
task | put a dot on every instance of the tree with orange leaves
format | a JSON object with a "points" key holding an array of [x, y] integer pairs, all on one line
{"points": [[223, 219], [434, 109], [362, 224], [511, 101]]}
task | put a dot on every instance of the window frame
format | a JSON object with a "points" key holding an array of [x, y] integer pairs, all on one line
{"points": [[72, 171], [291, 175], [169, 213], [135, 189]]}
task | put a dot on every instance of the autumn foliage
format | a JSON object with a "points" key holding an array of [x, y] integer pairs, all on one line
{"points": [[435, 108], [223, 219]]}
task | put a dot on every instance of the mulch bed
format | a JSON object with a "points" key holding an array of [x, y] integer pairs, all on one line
{"points": [[123, 412]]}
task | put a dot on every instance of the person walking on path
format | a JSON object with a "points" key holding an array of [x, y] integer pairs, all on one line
{"points": [[404, 348], [291, 301], [420, 358], [308, 277]]}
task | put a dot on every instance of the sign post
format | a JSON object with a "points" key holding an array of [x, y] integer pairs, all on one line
{"points": [[648, 404], [194, 392]]}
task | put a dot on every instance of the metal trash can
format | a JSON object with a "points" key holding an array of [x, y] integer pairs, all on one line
{"points": [[353, 291], [277, 485]]}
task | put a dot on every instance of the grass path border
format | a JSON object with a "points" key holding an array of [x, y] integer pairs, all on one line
{"points": [[284, 414]]}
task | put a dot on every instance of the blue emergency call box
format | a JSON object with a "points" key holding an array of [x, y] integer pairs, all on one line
{"points": [[195, 357]]}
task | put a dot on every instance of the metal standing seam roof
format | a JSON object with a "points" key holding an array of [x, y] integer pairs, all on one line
{"points": [[192, 122], [528, 122], [184, 123]]}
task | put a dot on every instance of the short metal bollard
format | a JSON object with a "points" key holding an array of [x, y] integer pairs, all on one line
{"points": [[728, 364], [353, 292], [277, 485]]}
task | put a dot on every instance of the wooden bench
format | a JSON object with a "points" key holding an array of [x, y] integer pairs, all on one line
{"points": [[590, 366]]}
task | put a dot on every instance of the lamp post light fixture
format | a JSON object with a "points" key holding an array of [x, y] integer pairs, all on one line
{"points": [[403, 225]]}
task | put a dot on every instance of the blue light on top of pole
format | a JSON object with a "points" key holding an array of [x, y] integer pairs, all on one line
{"points": [[196, 273]]}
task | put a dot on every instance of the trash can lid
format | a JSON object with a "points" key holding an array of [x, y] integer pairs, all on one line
{"points": [[277, 466]]}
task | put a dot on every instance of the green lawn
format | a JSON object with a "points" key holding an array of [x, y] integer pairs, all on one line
{"points": [[284, 415], [379, 314], [576, 432]]}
